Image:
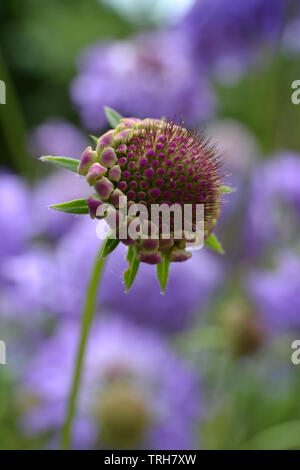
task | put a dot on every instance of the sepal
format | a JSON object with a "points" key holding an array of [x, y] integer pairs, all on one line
{"points": [[131, 271], [214, 244], [70, 164], [78, 206], [112, 116]]}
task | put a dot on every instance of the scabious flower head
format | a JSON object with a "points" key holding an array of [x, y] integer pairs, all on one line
{"points": [[136, 393], [149, 74], [155, 162]]}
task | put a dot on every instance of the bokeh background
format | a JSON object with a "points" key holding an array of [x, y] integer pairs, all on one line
{"points": [[208, 364]]}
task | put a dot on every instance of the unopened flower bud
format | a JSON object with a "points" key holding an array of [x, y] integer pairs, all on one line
{"points": [[96, 171], [104, 188], [87, 159], [108, 157], [93, 205], [105, 141]]}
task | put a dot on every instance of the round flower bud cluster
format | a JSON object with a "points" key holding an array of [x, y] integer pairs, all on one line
{"points": [[155, 162]]}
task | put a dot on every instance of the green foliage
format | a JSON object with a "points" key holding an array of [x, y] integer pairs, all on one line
{"points": [[109, 245], [12, 404], [112, 116], [226, 189], [53, 33], [262, 101], [162, 270], [78, 206], [67, 163], [131, 272], [213, 243]]}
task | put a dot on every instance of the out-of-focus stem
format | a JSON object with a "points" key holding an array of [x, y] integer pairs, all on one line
{"points": [[13, 125], [87, 318]]}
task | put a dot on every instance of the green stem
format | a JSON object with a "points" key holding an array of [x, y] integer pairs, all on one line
{"points": [[87, 318]]}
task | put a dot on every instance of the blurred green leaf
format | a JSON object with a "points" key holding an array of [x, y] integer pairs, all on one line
{"points": [[78, 206], [283, 436], [131, 272], [112, 116], [94, 138], [67, 163], [226, 189], [213, 243]]}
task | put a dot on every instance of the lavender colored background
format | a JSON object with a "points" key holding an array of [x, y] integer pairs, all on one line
{"points": [[208, 364]]}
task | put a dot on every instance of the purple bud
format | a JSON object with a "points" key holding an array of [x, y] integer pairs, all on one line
{"points": [[115, 173], [114, 198], [123, 136], [129, 241], [108, 157], [104, 188], [95, 172], [149, 173], [166, 244], [150, 257], [150, 153], [93, 205], [128, 122], [122, 148], [142, 163], [178, 255], [87, 159], [150, 244], [105, 141], [154, 193]]}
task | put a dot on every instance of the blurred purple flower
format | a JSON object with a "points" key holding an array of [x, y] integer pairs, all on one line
{"points": [[276, 292], [57, 137], [125, 366], [148, 75], [240, 151], [226, 35], [190, 287], [62, 186], [29, 285], [291, 34], [273, 214], [15, 214]]}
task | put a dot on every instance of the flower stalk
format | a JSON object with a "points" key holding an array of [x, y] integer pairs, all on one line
{"points": [[86, 323]]}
